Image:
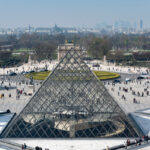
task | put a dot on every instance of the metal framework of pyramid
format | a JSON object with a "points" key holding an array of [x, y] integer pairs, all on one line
{"points": [[71, 102]]}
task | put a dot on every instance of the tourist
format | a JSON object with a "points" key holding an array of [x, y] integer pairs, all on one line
{"points": [[22, 147], [25, 146], [140, 140], [143, 138], [118, 93], [38, 148], [136, 142], [2, 95], [9, 94], [128, 142], [146, 138], [126, 145]]}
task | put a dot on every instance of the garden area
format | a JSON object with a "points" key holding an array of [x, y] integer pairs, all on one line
{"points": [[102, 75]]}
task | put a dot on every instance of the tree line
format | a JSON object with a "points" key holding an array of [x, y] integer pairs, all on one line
{"points": [[44, 46]]}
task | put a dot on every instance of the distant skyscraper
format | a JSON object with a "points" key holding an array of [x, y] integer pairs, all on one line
{"points": [[141, 24], [29, 28], [135, 25]]}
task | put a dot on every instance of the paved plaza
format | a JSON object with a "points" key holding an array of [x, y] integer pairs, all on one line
{"points": [[13, 101], [131, 96], [16, 104]]}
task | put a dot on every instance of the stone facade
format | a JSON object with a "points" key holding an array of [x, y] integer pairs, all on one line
{"points": [[62, 48]]}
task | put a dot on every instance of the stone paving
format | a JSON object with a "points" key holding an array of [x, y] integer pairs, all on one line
{"points": [[15, 103], [131, 102]]}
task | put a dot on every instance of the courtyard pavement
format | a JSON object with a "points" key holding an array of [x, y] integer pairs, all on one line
{"points": [[15, 103], [131, 96], [129, 102]]}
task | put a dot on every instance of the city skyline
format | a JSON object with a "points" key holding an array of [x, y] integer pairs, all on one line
{"points": [[67, 13]]}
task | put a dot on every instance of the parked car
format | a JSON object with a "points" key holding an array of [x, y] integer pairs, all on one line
{"points": [[144, 73], [140, 77], [96, 65], [127, 80], [31, 71], [23, 72], [42, 70], [116, 81], [12, 74]]}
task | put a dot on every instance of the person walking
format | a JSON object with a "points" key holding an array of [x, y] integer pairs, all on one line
{"points": [[136, 142], [22, 147], [9, 94], [118, 93], [126, 144], [25, 146], [107, 148]]}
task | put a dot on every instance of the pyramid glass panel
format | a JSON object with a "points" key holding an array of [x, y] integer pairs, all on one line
{"points": [[71, 102]]}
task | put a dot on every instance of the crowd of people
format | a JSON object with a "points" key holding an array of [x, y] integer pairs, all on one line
{"points": [[20, 92], [131, 143], [137, 142], [5, 85], [24, 147], [136, 88]]}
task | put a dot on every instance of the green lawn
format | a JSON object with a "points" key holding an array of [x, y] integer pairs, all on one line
{"points": [[102, 75], [21, 50]]}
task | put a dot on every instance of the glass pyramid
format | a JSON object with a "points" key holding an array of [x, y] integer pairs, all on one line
{"points": [[71, 102]]}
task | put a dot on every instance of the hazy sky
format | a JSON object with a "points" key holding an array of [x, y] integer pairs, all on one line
{"points": [[76, 13]]}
